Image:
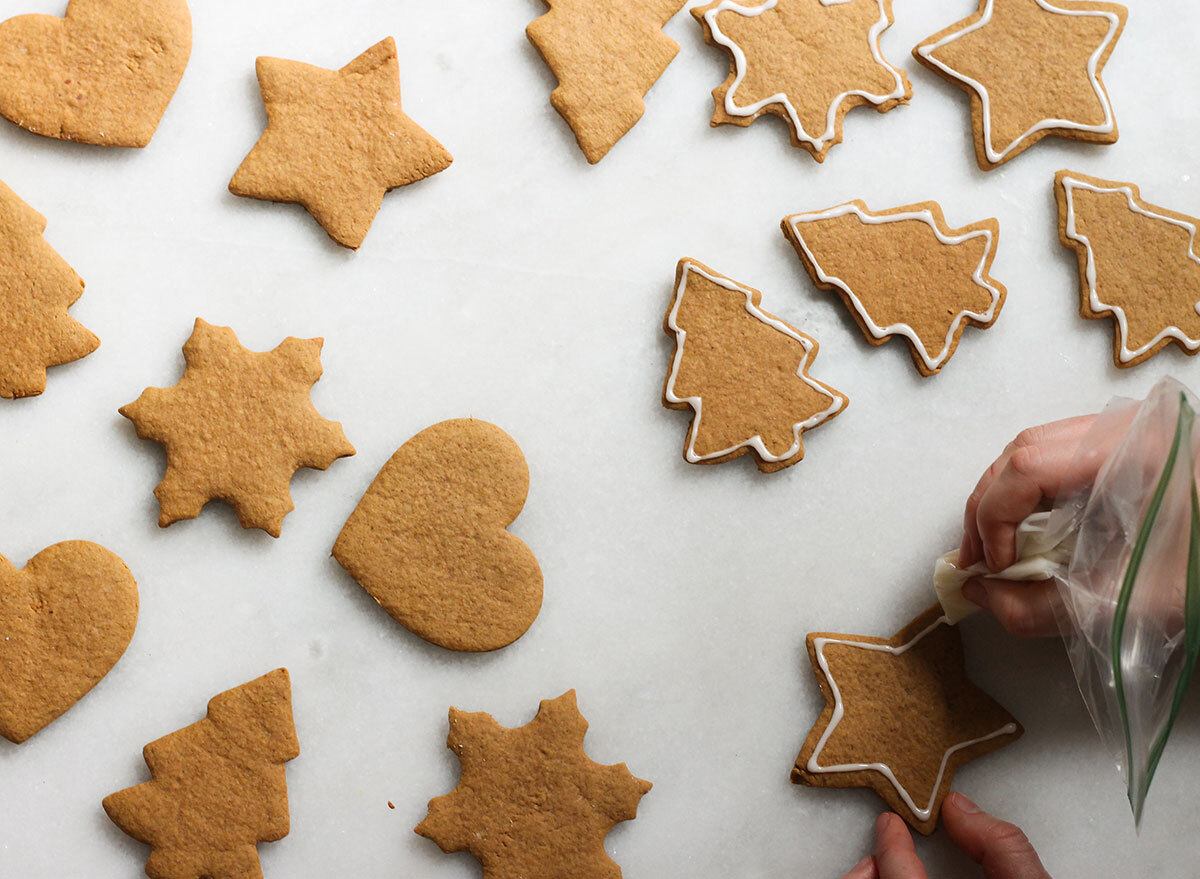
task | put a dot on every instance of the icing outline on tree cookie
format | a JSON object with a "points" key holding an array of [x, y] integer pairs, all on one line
{"points": [[739, 57], [755, 442], [882, 768], [1106, 127], [1069, 185], [901, 328]]}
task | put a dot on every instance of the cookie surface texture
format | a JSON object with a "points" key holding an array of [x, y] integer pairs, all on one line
{"points": [[530, 803], [808, 62], [1138, 264], [36, 289], [606, 55], [428, 540], [1032, 69], [742, 371], [900, 716], [903, 272], [217, 787], [103, 74], [337, 141], [237, 426], [66, 618]]}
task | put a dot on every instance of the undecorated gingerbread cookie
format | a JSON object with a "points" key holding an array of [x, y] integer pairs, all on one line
{"points": [[103, 74], [530, 803], [809, 62], [1032, 69], [903, 272], [900, 716], [1138, 264], [606, 55], [36, 289], [428, 539], [65, 620], [337, 141], [743, 373], [237, 426]]}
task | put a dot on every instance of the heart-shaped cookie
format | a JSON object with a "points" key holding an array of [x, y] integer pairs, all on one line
{"points": [[428, 539], [103, 74], [65, 620]]}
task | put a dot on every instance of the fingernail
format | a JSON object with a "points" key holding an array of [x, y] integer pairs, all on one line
{"points": [[964, 804], [862, 868], [881, 822], [975, 592]]}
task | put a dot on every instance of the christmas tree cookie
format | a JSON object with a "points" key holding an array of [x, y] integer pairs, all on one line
{"points": [[742, 371]]}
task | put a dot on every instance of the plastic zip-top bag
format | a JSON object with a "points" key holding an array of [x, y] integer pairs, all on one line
{"points": [[1125, 554]]}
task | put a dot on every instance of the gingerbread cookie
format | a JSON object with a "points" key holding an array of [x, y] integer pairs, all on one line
{"points": [[1032, 69], [606, 56], [742, 371], [903, 272], [900, 716], [428, 539], [1138, 264], [103, 74], [217, 787], [65, 620], [337, 141], [36, 289], [808, 62], [530, 803], [237, 426]]}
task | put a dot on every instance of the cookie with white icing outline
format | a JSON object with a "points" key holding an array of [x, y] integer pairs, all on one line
{"points": [[1138, 264], [1032, 69], [809, 62], [900, 716], [742, 371], [903, 272]]}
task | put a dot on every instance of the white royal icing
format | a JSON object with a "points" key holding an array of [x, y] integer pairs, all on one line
{"points": [[882, 768], [754, 442], [996, 156], [739, 57], [1070, 184], [932, 362]]}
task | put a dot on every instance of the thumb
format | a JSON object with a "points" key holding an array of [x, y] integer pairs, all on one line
{"points": [[1002, 849]]}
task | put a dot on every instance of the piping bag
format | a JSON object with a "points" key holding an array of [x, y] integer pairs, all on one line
{"points": [[1124, 552]]}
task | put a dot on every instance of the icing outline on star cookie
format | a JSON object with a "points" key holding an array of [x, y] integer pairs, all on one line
{"points": [[1125, 355], [882, 768], [901, 328], [755, 442], [739, 57], [1106, 127]]}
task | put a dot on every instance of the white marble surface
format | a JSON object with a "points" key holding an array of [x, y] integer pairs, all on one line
{"points": [[525, 287]]}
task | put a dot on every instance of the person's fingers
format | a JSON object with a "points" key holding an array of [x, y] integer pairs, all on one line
{"points": [[1000, 848], [1067, 432], [864, 869], [895, 856], [1042, 462], [1025, 609]]}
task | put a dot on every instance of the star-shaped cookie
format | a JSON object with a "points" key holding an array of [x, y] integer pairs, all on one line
{"points": [[237, 426], [808, 62], [1138, 264], [1032, 69], [530, 803], [337, 141], [36, 289], [900, 716]]}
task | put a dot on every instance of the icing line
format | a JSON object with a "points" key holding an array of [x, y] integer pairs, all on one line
{"points": [[755, 442], [739, 57], [883, 769], [1106, 127], [901, 328], [1070, 184]]}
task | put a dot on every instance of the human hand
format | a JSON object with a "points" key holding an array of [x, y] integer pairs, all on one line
{"points": [[1000, 848], [1040, 463]]}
